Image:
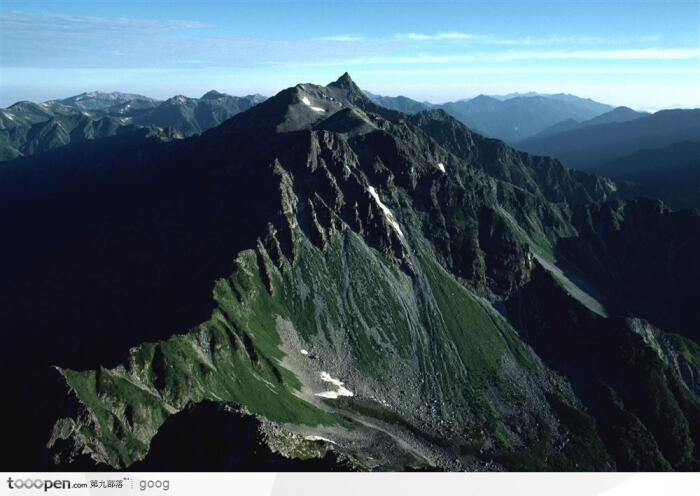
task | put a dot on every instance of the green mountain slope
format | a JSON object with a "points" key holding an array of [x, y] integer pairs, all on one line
{"points": [[27, 128], [416, 345]]}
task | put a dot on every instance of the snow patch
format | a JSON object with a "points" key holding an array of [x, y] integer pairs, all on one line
{"points": [[305, 101], [340, 391], [344, 392], [387, 212], [328, 394], [441, 166], [326, 377], [319, 438], [303, 352], [8, 115]]}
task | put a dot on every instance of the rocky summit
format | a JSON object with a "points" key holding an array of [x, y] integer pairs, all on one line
{"points": [[323, 283]]}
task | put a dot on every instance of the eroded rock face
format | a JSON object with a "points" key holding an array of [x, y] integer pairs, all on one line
{"points": [[380, 259]]}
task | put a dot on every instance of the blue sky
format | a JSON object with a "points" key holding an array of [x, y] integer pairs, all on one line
{"points": [[642, 54]]}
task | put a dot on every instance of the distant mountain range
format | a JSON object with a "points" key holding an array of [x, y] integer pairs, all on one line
{"points": [[658, 151], [27, 128], [671, 173], [400, 103], [584, 134], [189, 115], [618, 114], [590, 146], [97, 100], [510, 118]]}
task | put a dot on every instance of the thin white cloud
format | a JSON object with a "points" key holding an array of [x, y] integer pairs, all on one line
{"points": [[630, 54], [527, 70], [450, 35], [15, 21], [350, 38], [518, 55], [456, 36], [57, 40]]}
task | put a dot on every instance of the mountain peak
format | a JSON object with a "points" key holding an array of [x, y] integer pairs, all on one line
{"points": [[178, 99], [304, 105], [482, 98], [212, 95], [346, 82]]}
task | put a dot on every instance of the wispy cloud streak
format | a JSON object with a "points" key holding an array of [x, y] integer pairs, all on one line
{"points": [[529, 70], [512, 56], [349, 38], [457, 36], [15, 21]]}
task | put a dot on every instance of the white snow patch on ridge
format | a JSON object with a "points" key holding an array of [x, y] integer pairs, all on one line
{"points": [[305, 101], [340, 391], [441, 166], [8, 115], [318, 438], [326, 377], [303, 352], [328, 394], [385, 209]]}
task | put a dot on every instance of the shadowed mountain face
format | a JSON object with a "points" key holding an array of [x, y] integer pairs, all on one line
{"points": [[539, 175], [216, 437], [362, 287], [671, 173]]}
